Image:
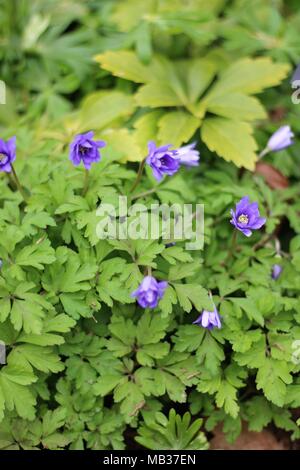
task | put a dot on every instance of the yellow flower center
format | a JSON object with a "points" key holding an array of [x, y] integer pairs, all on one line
{"points": [[243, 219], [2, 157]]}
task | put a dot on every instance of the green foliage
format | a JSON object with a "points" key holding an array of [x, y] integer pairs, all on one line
{"points": [[164, 85], [86, 367], [160, 432]]}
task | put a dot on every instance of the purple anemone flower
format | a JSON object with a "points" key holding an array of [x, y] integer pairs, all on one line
{"points": [[7, 154], [281, 139], [276, 271], [188, 155], [246, 216], [149, 292], [209, 319], [162, 160], [85, 149]]}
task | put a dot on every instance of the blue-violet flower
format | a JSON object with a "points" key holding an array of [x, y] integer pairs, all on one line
{"points": [[162, 160], [281, 139], [246, 216], [7, 154], [209, 319], [188, 155], [149, 292], [85, 149], [276, 271]]}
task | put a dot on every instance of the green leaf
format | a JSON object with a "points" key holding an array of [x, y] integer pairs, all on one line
{"points": [[75, 305], [174, 432], [61, 323], [272, 378], [259, 413], [188, 338], [147, 250], [14, 392], [151, 329], [191, 295], [28, 315], [180, 271], [168, 300], [42, 358], [77, 203], [225, 387], [5, 307], [255, 356], [250, 308], [106, 384], [53, 420], [210, 354], [146, 355], [131, 398], [123, 336], [230, 139], [73, 276], [110, 285], [36, 255], [176, 253], [143, 42], [40, 220]]}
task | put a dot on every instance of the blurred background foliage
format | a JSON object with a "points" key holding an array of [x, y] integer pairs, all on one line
{"points": [[216, 71], [193, 64]]}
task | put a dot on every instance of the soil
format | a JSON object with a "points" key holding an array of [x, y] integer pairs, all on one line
{"points": [[268, 439]]}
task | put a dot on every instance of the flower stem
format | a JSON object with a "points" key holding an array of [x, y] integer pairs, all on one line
{"points": [[232, 247], [17, 181], [139, 175], [86, 182], [146, 193], [263, 153]]}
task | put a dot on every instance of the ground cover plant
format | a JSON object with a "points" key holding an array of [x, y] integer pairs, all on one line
{"points": [[125, 343]]}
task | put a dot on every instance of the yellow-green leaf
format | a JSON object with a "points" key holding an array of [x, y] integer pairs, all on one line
{"points": [[156, 94], [236, 106], [200, 73], [102, 108], [250, 76], [230, 139], [124, 144], [124, 64], [146, 128], [177, 127]]}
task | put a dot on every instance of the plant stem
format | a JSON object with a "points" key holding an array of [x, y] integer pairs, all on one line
{"points": [[86, 182], [21, 190], [263, 153], [232, 248], [145, 193], [139, 175]]}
